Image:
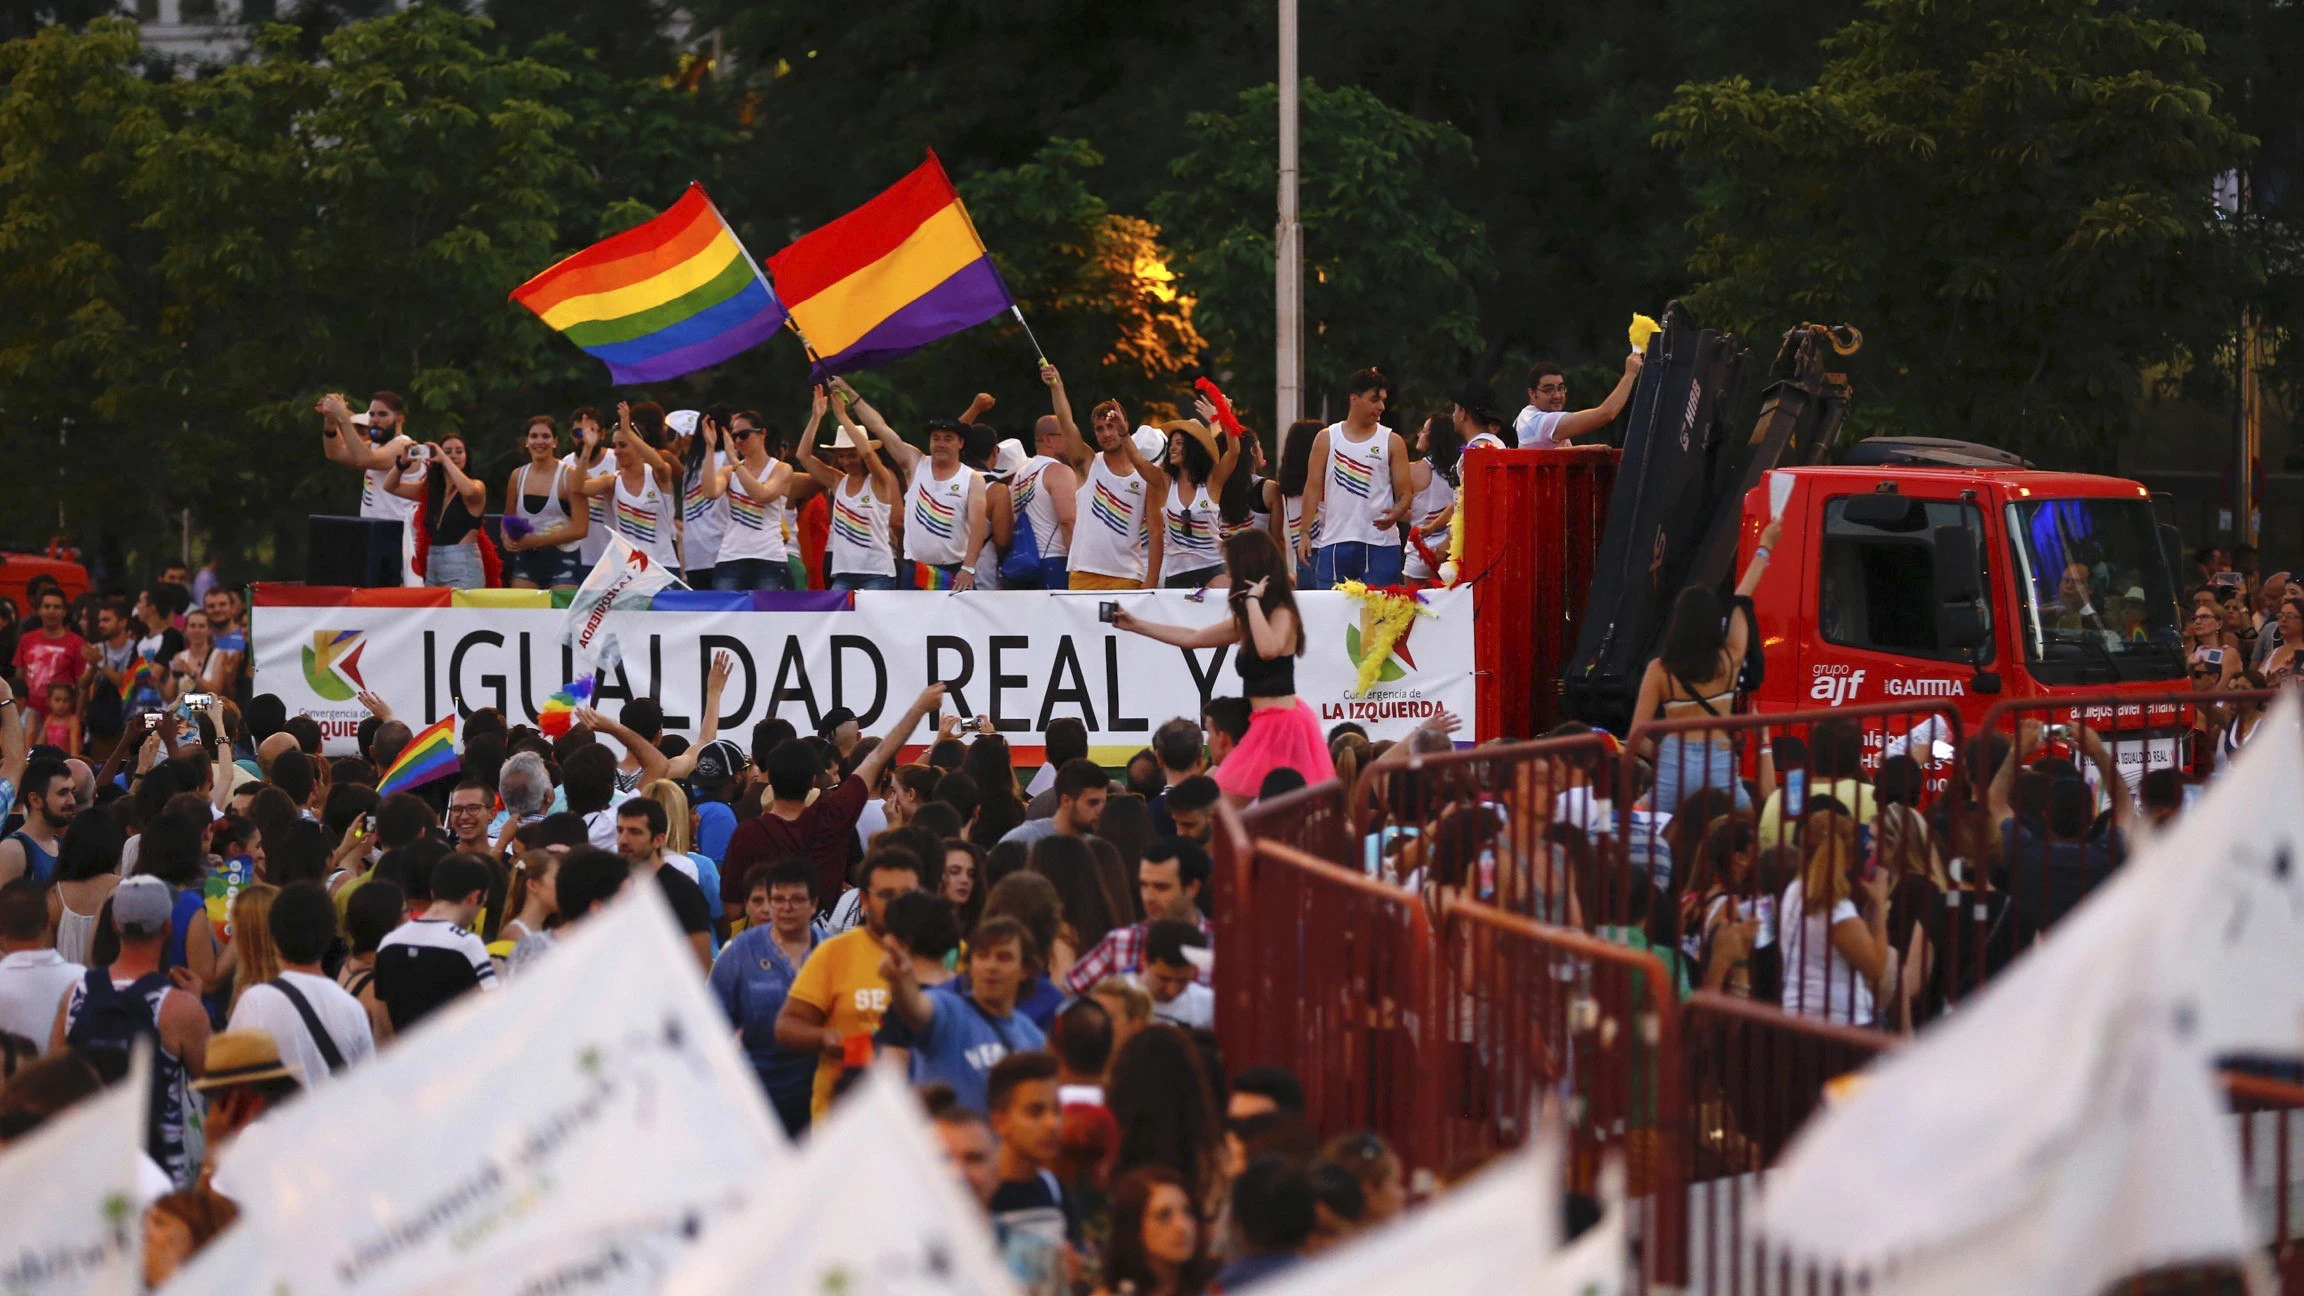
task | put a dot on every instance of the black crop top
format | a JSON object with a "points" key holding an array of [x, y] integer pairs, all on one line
{"points": [[1264, 677]]}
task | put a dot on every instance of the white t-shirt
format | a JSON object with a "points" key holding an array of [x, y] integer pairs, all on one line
{"points": [[872, 821], [1195, 1009], [264, 1008], [681, 864], [377, 502], [1817, 981], [1536, 428], [32, 983], [1043, 779]]}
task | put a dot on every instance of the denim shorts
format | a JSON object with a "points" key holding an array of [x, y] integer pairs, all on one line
{"points": [[544, 568], [1355, 560], [455, 566]]}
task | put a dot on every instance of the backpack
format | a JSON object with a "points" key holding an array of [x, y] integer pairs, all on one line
{"points": [[113, 1018], [1020, 566]]}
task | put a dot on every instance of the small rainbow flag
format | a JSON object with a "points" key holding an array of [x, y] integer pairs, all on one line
{"points": [[925, 577], [671, 295], [560, 708], [143, 673], [890, 277], [429, 755]]}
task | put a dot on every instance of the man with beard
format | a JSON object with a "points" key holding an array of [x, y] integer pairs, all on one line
{"points": [[49, 804]]}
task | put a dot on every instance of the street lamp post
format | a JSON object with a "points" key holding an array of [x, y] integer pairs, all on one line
{"points": [[1288, 246]]}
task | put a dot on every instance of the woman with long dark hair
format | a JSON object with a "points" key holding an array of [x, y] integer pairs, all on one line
{"points": [[452, 550], [1167, 1113], [1157, 1246], [1269, 634], [1286, 501], [1433, 466], [1694, 673], [999, 809], [1200, 464]]}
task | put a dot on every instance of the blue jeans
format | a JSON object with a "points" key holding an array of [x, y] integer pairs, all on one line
{"points": [[752, 574], [1685, 764], [853, 583], [1354, 560]]}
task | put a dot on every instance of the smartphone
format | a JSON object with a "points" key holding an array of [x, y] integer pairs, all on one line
{"points": [[1795, 792], [151, 721], [367, 826], [2213, 655], [2057, 733], [2230, 578], [196, 701], [984, 724], [1108, 612], [420, 454]]}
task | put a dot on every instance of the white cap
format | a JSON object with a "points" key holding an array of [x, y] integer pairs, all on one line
{"points": [[1152, 443], [1007, 457], [683, 422]]}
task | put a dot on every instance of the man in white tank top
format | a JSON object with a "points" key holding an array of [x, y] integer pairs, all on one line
{"points": [[943, 516], [1357, 492], [864, 493], [1046, 487], [373, 444], [1116, 541]]}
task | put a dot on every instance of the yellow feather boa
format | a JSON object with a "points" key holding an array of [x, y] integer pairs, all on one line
{"points": [[1384, 620]]}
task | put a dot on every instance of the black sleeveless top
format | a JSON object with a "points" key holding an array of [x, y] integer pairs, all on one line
{"points": [[451, 519], [1264, 677]]}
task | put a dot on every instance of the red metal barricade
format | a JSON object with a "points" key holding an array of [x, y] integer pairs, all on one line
{"points": [[1754, 1075], [1527, 1009], [1486, 822], [1329, 974], [1532, 521], [2270, 1117]]}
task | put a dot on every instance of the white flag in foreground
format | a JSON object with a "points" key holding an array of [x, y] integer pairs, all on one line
{"points": [[598, 1099], [1491, 1234], [71, 1227], [623, 578], [870, 1207], [2065, 1129]]}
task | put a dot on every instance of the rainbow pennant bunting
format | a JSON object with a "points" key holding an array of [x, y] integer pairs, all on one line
{"points": [[890, 277], [672, 295], [429, 755]]}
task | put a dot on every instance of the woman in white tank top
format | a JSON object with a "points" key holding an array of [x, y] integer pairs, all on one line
{"points": [[543, 525], [1192, 554], [1432, 510], [703, 505], [752, 552], [639, 491]]}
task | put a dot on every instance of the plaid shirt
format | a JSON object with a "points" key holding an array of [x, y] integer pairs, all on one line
{"points": [[1120, 953]]}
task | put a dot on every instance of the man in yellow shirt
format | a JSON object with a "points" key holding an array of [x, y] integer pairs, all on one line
{"points": [[837, 1000]]}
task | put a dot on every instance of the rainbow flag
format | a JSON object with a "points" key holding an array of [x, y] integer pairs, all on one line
{"points": [[560, 708], [142, 675], [429, 755], [890, 277], [925, 577], [674, 294]]}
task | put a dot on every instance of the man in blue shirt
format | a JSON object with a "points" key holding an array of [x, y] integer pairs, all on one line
{"points": [[961, 1029], [753, 975], [719, 772]]}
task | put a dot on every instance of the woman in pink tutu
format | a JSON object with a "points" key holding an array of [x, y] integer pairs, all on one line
{"points": [[1269, 636]]}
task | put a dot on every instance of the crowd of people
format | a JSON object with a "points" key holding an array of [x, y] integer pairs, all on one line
{"points": [[1030, 947], [733, 501]]}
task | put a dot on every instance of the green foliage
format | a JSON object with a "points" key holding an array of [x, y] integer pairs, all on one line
{"points": [[2011, 199], [1391, 265]]}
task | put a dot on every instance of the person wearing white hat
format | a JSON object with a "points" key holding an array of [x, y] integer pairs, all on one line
{"points": [[858, 554], [1115, 546]]}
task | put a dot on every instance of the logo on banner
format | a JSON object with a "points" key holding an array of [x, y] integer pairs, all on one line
{"points": [[332, 663], [1835, 685], [1396, 666]]}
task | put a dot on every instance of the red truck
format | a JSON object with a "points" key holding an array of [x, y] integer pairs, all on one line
{"points": [[1919, 570]]}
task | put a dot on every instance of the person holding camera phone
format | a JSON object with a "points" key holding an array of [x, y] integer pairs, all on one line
{"points": [[1269, 634], [452, 551], [374, 443]]}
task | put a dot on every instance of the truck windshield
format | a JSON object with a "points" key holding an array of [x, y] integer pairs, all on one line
{"points": [[2093, 587]]}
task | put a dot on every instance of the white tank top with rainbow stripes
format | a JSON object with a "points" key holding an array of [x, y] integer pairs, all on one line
{"points": [[1108, 525], [1359, 486], [754, 530], [936, 515], [645, 519], [857, 543]]}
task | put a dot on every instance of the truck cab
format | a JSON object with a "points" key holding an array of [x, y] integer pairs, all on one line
{"points": [[1966, 584]]}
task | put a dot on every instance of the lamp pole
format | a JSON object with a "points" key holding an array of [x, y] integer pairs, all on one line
{"points": [[1288, 246]]}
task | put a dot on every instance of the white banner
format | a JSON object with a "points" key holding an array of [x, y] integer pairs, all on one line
{"points": [[72, 1227], [869, 1207], [1022, 657], [599, 1098]]}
